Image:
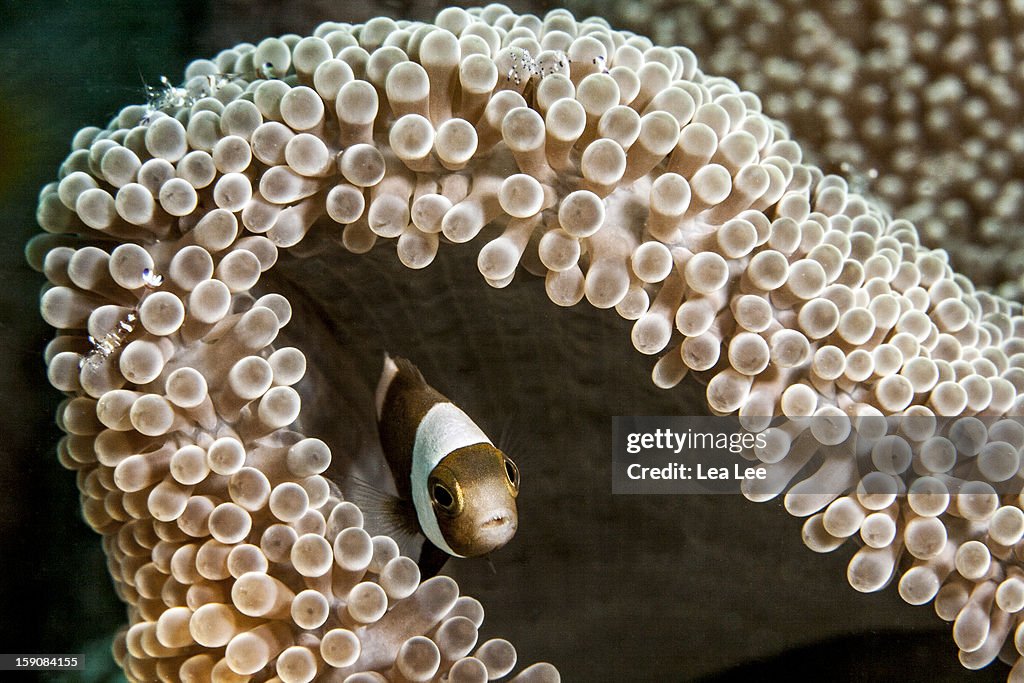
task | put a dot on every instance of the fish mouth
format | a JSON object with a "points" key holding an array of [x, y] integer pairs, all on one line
{"points": [[494, 532], [497, 521]]}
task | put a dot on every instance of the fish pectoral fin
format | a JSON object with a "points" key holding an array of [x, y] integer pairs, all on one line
{"points": [[383, 513], [432, 560]]}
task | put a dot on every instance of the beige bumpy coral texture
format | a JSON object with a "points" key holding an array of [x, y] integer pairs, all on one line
{"points": [[613, 168], [918, 100]]}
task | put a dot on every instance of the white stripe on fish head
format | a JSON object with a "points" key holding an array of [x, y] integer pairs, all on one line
{"points": [[445, 428]]}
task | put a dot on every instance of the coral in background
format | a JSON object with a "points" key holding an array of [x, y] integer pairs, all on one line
{"points": [[613, 168], [918, 102]]}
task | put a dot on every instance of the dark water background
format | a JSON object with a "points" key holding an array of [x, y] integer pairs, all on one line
{"points": [[644, 588]]}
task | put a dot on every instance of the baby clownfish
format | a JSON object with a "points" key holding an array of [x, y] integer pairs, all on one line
{"points": [[454, 486]]}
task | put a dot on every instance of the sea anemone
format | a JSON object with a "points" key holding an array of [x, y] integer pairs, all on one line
{"points": [[917, 103], [614, 169]]}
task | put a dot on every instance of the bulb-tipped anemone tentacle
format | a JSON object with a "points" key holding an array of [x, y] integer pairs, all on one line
{"points": [[917, 103], [614, 169]]}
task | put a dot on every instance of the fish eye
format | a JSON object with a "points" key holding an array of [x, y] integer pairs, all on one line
{"points": [[512, 472], [442, 497]]}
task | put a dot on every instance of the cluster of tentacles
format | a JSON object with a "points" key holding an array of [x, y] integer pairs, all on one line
{"points": [[614, 169]]}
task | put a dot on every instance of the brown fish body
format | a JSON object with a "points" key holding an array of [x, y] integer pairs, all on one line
{"points": [[463, 489]]}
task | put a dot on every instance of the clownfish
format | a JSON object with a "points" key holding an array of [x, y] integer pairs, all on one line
{"points": [[455, 488]]}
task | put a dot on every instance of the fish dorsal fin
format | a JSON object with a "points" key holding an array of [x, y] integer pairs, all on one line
{"points": [[406, 367], [393, 367], [387, 376]]}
